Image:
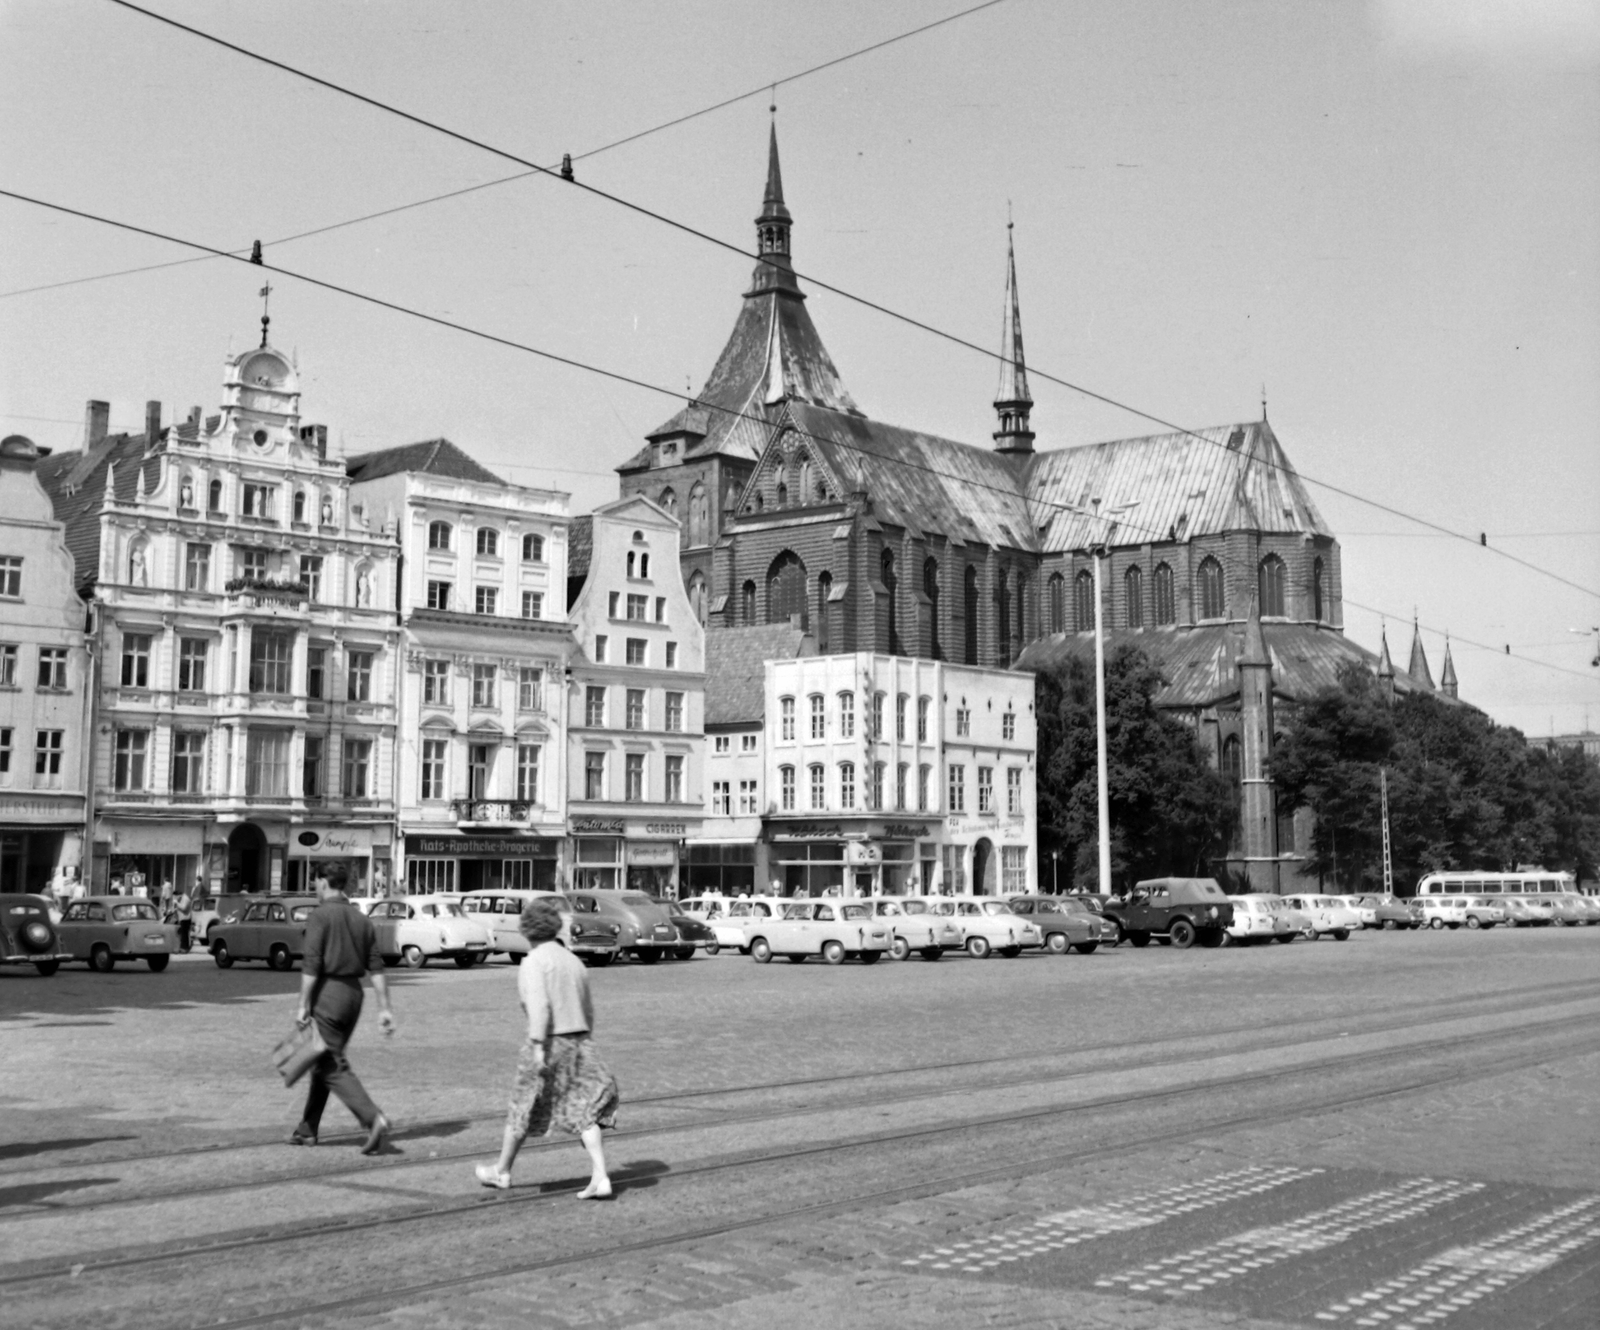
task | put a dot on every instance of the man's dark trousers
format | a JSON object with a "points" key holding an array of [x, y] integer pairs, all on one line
{"points": [[337, 1009]]}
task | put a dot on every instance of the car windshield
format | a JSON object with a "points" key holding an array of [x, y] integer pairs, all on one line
{"points": [[301, 913], [123, 913], [636, 898], [855, 912], [889, 908], [451, 909], [913, 907], [996, 907], [797, 911]]}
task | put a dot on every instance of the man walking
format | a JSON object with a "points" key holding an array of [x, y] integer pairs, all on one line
{"points": [[341, 948], [183, 912]]}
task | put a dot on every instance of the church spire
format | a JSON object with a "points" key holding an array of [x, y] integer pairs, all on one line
{"points": [[1012, 402], [1385, 665], [774, 269], [1418, 668], [1447, 675]]}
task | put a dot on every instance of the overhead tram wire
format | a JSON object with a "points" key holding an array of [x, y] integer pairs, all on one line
{"points": [[616, 376], [767, 86], [863, 301]]}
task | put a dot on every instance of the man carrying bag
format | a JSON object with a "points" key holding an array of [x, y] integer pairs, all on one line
{"points": [[341, 948]]}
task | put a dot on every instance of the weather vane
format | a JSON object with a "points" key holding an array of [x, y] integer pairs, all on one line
{"points": [[266, 318]]}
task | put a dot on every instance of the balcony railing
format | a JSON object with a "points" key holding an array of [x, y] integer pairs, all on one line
{"points": [[491, 810]]}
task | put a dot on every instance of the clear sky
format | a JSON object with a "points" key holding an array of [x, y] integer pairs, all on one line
{"points": [[1386, 213]]}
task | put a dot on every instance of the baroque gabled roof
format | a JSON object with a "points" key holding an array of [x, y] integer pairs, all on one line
{"points": [[76, 484]]}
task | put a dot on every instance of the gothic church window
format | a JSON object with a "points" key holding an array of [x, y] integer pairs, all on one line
{"points": [[783, 495], [1058, 596], [1133, 596], [1213, 604], [697, 596], [824, 590], [1083, 602], [970, 609], [930, 589], [1316, 590], [1270, 578], [699, 514], [748, 598], [786, 589], [890, 584], [1166, 605], [669, 500]]}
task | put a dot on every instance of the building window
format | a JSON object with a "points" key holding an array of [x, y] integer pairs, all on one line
{"points": [[747, 797], [488, 542], [533, 549], [819, 715], [311, 575], [594, 708], [1008, 725], [197, 567], [438, 595], [955, 869], [8, 667], [188, 761], [675, 713], [483, 685], [316, 672], [1083, 602], [1014, 869], [439, 535], [786, 718], [257, 501], [528, 773], [786, 788], [668, 499], [635, 651], [1316, 590], [300, 506], [47, 750], [1270, 578], [923, 705], [699, 515], [487, 600], [1213, 605], [311, 766], [661, 609], [749, 598], [902, 705], [721, 744], [890, 587], [786, 589], [601, 643], [877, 718], [253, 564], [266, 767], [674, 790], [53, 667], [847, 785], [672, 655], [638, 608], [633, 782], [721, 798], [5, 750], [1166, 605], [359, 677], [847, 715], [1014, 791], [594, 775], [135, 660], [433, 751], [824, 590], [819, 787], [1057, 600], [986, 789], [697, 596], [132, 749], [480, 770], [192, 664], [924, 780], [747, 743], [900, 774], [634, 719], [875, 793], [957, 802], [1133, 596], [533, 604], [214, 496], [930, 589], [436, 682], [969, 584], [530, 688], [963, 723], [1002, 605], [357, 758]]}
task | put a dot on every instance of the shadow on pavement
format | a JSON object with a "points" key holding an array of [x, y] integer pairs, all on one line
{"points": [[21, 1149], [33, 1192]]}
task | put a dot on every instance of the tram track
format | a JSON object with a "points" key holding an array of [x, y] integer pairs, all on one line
{"points": [[339, 1228]]}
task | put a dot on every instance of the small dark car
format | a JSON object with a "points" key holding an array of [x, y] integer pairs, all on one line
{"points": [[691, 932], [106, 929], [643, 928], [1065, 922], [1181, 909], [27, 937], [271, 930]]}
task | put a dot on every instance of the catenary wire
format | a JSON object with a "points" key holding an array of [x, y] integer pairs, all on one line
{"points": [[863, 301], [1116, 521], [770, 84]]}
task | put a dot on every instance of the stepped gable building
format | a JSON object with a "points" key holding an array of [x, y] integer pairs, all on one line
{"points": [[884, 538]]}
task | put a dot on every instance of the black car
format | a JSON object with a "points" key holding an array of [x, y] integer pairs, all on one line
{"points": [[27, 937], [1181, 909], [691, 933]]}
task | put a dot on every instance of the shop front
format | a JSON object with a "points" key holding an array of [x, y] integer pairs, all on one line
{"points": [[855, 857], [39, 840], [988, 856], [366, 851], [147, 857], [636, 853], [719, 868], [446, 863]]}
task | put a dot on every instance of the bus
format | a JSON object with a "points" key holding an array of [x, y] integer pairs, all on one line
{"points": [[1536, 881]]}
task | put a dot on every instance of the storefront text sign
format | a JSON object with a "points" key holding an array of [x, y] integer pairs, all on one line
{"points": [[596, 826], [349, 841], [674, 829], [42, 810], [809, 830], [904, 831], [509, 846], [652, 856]]}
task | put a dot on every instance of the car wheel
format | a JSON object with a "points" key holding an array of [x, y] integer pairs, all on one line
{"points": [[1389, 925], [833, 953], [1341, 935], [1182, 933], [712, 948], [1284, 937], [1138, 938], [871, 957], [1474, 922], [1011, 952], [1057, 942], [932, 953], [1224, 938], [598, 960], [1212, 937], [760, 949], [1436, 922], [279, 958], [1310, 933], [465, 962], [221, 954], [647, 955], [157, 963], [977, 947], [47, 968], [684, 953], [1085, 948], [101, 959], [899, 948]]}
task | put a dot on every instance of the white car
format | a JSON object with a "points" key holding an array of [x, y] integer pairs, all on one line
{"points": [[589, 939], [1443, 911], [913, 927], [987, 923], [832, 929], [404, 932], [1257, 918], [732, 919], [1328, 914], [1364, 911]]}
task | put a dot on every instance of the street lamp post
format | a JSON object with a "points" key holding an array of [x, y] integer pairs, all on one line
{"points": [[1097, 552]]}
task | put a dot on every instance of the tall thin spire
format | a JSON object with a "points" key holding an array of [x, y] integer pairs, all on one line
{"points": [[1385, 664], [1418, 668], [1447, 675], [1012, 402], [775, 268]]}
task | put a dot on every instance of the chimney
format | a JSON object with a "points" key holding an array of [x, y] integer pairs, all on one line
{"points": [[96, 418], [152, 424]]}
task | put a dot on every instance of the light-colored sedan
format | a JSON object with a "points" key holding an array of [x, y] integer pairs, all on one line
{"points": [[413, 938], [1587, 906], [1539, 908], [1327, 914], [913, 927], [1443, 911], [986, 923], [731, 919], [467, 940], [1518, 915], [1566, 910], [1365, 911], [832, 929], [1482, 912], [1259, 918]]}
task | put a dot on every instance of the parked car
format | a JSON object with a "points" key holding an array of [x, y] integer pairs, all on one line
{"points": [[730, 918], [1063, 922], [832, 929], [986, 923], [1327, 914], [591, 939], [28, 936], [1364, 911], [1483, 911], [209, 911], [1257, 918], [1565, 910], [1391, 913], [1587, 906], [271, 930], [106, 929], [414, 930], [644, 929], [1181, 909], [1443, 911], [692, 933], [1518, 915], [913, 927]]}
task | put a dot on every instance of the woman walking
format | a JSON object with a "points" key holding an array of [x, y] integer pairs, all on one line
{"points": [[561, 1081]]}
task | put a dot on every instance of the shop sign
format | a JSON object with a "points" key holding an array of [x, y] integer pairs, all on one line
{"points": [[863, 853], [966, 824], [651, 856], [905, 831], [674, 829], [595, 826], [509, 847], [808, 830], [42, 810], [334, 843]]}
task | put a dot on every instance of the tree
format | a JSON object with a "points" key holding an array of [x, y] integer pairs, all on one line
{"points": [[1170, 812]]}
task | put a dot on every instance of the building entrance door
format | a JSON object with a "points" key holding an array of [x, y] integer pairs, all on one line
{"points": [[983, 867], [248, 865]]}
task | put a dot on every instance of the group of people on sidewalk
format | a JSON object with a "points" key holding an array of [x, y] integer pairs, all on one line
{"points": [[561, 1082]]}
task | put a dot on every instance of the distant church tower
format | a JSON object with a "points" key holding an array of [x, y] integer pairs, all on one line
{"points": [[1012, 402]]}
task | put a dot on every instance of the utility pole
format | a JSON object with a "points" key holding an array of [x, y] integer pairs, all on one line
{"points": [[1388, 867], [1098, 552]]}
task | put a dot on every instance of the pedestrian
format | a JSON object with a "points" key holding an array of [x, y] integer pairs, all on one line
{"points": [[341, 948], [183, 912], [561, 1080]]}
